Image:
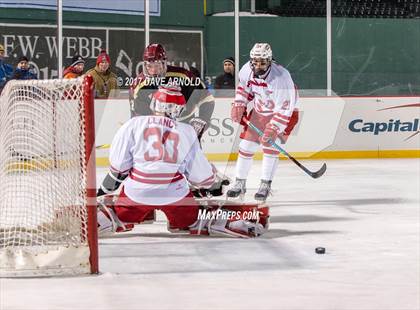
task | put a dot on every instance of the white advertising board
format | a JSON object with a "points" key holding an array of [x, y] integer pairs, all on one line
{"points": [[332, 125], [387, 123]]}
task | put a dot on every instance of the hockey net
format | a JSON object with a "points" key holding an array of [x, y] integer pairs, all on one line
{"points": [[47, 178]]}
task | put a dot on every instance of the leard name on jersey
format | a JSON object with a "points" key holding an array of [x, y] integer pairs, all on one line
{"points": [[162, 121]]}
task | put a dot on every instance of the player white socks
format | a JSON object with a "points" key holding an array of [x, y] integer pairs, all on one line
{"points": [[243, 165], [269, 165]]}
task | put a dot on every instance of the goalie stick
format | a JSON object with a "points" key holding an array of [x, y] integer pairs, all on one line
{"points": [[313, 174], [103, 146]]}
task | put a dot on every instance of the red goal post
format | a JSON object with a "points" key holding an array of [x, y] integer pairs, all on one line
{"points": [[48, 178]]}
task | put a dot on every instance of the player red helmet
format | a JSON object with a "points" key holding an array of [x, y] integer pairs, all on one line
{"points": [[154, 60], [168, 100]]}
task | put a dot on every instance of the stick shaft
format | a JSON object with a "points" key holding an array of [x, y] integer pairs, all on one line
{"points": [[315, 174]]}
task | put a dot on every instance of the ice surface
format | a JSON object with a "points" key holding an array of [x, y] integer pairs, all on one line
{"points": [[364, 212]]}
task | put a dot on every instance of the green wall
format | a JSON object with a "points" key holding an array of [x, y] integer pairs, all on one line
{"points": [[298, 44], [376, 56], [369, 56]]}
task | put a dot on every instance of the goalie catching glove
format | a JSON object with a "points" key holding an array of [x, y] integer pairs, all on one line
{"points": [[199, 126], [215, 190]]}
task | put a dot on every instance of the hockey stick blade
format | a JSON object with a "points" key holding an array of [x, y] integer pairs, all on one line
{"points": [[320, 172], [313, 174]]}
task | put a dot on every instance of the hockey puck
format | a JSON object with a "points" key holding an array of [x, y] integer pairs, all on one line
{"points": [[320, 250]]}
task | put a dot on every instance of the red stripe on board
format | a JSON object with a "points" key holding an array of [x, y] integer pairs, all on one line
{"points": [[413, 105]]}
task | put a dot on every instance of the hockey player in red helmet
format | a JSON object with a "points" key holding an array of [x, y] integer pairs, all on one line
{"points": [[154, 61], [155, 73]]}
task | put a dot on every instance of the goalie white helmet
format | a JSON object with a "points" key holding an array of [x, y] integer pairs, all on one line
{"points": [[261, 56], [168, 100]]}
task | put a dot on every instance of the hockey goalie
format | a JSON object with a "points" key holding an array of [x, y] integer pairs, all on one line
{"points": [[158, 161]]}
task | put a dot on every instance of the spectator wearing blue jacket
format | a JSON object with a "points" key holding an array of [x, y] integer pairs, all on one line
{"points": [[6, 70], [22, 71]]}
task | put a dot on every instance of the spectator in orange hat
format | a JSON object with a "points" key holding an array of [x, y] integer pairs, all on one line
{"points": [[105, 81]]}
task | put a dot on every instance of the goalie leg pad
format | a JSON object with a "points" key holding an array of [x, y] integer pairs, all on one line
{"points": [[245, 211], [237, 228], [240, 220], [108, 221], [105, 223], [199, 227]]}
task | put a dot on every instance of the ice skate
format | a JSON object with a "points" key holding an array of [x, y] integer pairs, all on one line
{"points": [[263, 191], [238, 189]]}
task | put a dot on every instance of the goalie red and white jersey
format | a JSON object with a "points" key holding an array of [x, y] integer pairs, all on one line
{"points": [[159, 154], [273, 95]]}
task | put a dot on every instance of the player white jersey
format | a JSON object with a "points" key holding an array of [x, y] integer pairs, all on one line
{"points": [[274, 94], [159, 154]]}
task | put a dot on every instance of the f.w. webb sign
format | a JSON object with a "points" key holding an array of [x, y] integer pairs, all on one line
{"points": [[124, 45]]}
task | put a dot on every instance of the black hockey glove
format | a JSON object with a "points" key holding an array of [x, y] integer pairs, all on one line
{"points": [[199, 126], [111, 183], [215, 190]]}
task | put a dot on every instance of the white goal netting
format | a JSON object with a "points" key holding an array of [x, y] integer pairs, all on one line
{"points": [[44, 178]]}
